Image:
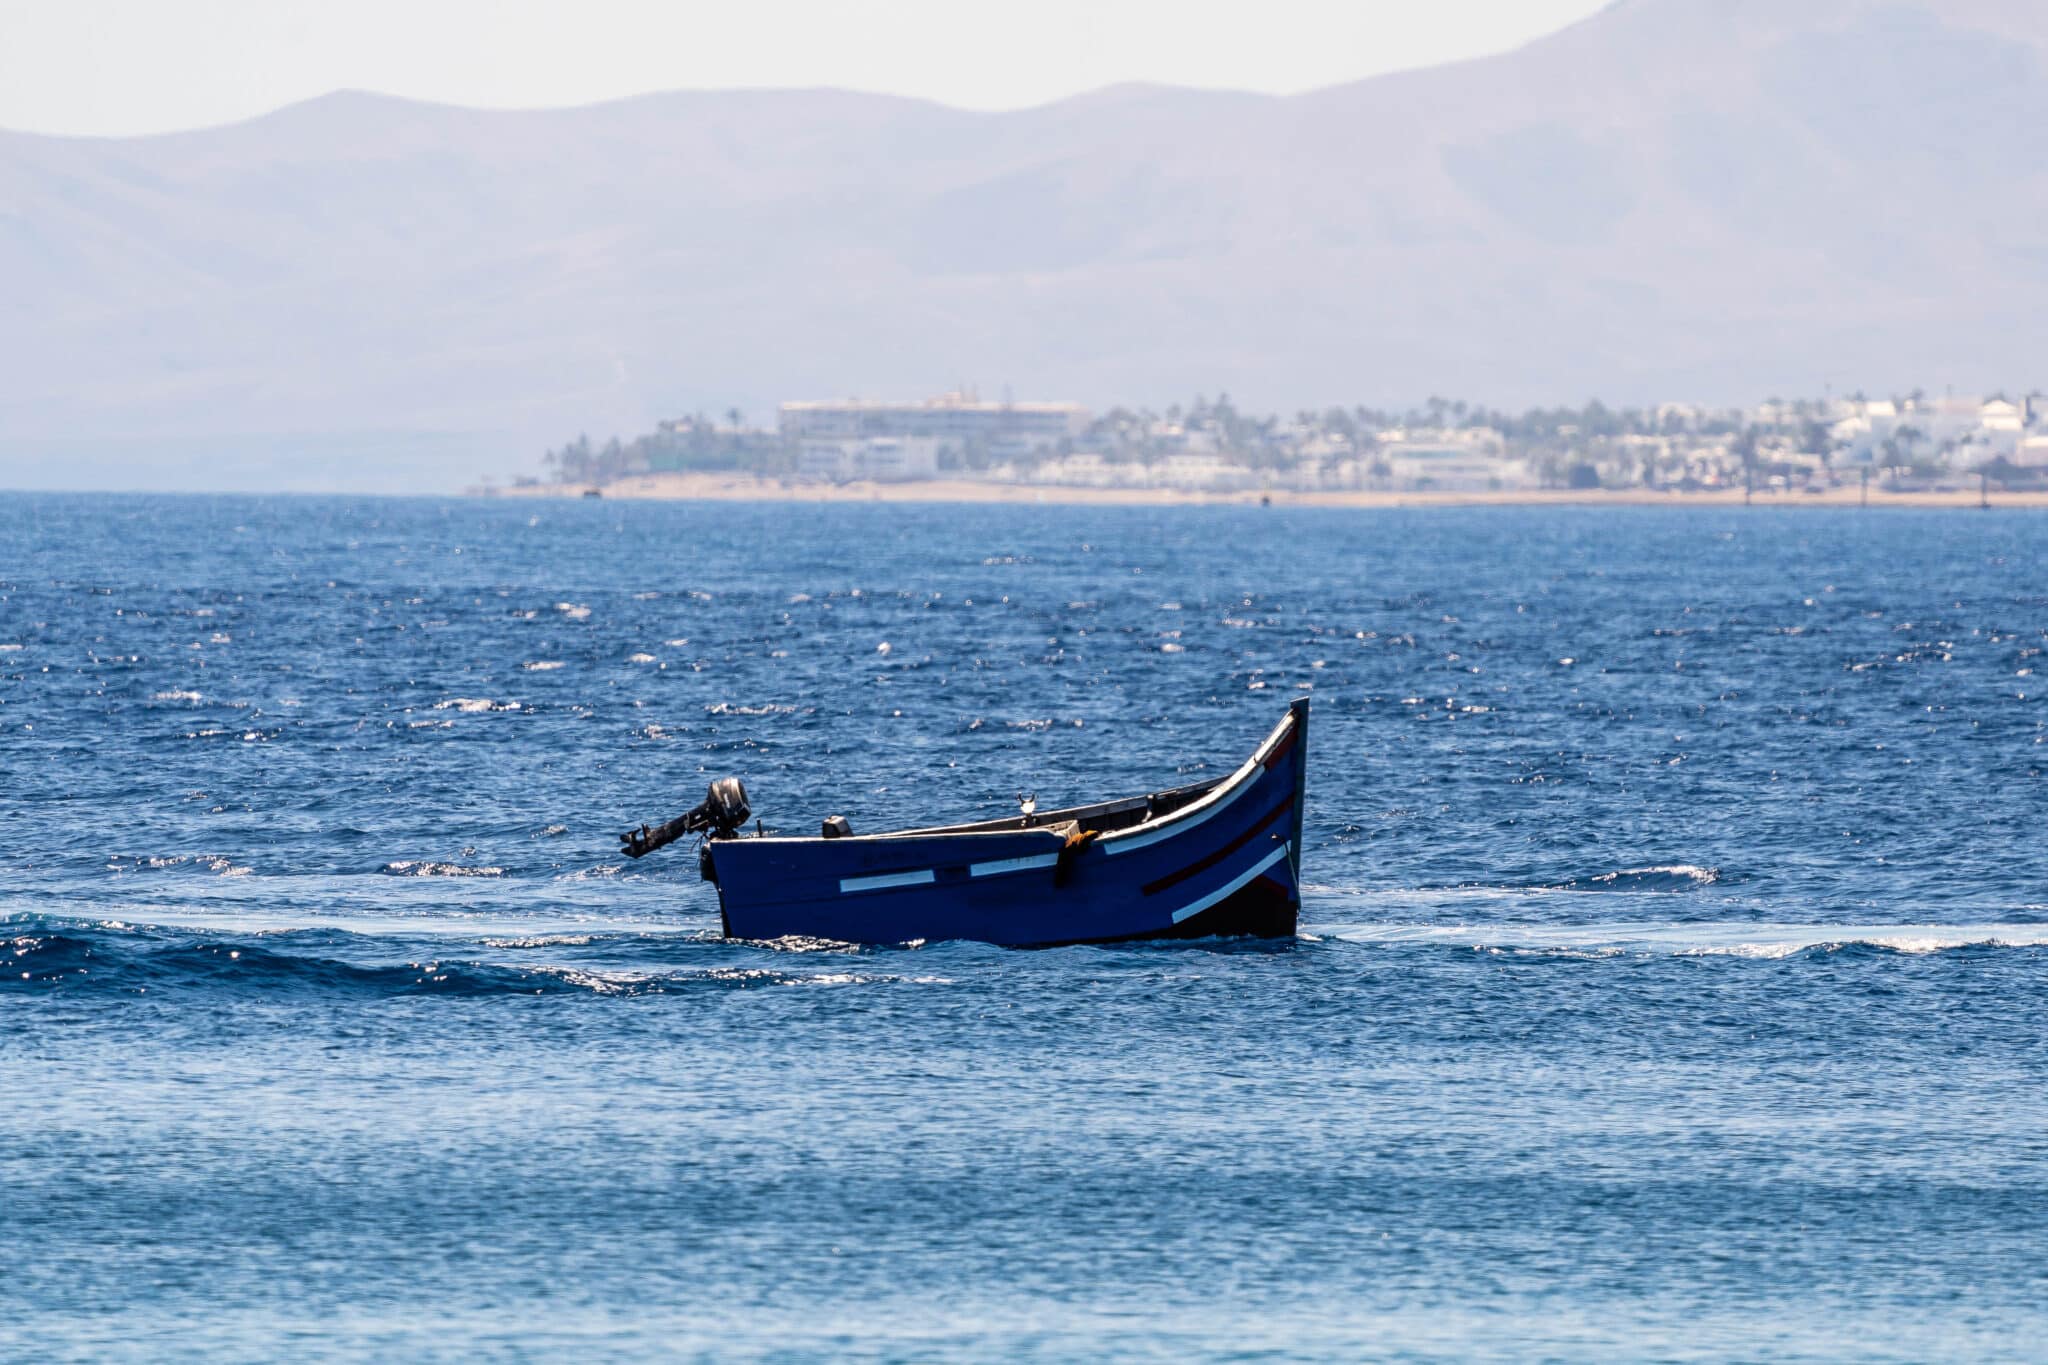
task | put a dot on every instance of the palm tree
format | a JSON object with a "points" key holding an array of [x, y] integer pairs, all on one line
{"points": [[1909, 436], [1743, 447], [1819, 438]]}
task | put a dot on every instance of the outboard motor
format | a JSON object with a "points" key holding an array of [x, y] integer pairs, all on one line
{"points": [[724, 811], [721, 814]]}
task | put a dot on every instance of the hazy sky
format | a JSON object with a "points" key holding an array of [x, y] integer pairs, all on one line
{"points": [[134, 66]]}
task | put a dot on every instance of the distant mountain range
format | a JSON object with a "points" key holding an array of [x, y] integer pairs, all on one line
{"points": [[1697, 199]]}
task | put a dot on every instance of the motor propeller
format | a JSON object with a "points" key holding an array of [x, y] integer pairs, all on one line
{"points": [[719, 816]]}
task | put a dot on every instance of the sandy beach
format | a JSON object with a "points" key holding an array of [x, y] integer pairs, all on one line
{"points": [[741, 488]]}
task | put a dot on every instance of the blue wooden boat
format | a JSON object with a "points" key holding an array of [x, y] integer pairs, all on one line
{"points": [[1221, 857]]}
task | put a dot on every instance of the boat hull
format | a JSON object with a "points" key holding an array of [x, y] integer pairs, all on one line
{"points": [[1226, 863]]}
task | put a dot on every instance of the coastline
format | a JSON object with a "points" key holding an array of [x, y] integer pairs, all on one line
{"points": [[746, 488]]}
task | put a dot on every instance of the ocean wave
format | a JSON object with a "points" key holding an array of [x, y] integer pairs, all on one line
{"points": [[1665, 877], [127, 959], [804, 943], [543, 941], [1910, 941], [1661, 878], [470, 705], [1760, 942], [218, 864], [600, 870], [422, 868]]}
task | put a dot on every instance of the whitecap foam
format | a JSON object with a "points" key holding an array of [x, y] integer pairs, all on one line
{"points": [[1638, 878], [423, 868], [177, 695], [211, 862], [600, 983], [543, 941], [1915, 940], [1743, 940], [593, 873], [475, 704], [542, 665], [804, 943], [151, 861]]}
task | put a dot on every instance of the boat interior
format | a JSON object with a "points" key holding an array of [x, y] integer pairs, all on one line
{"points": [[1104, 817]]}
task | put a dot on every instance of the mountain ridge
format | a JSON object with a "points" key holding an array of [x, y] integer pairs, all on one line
{"points": [[1845, 194]]}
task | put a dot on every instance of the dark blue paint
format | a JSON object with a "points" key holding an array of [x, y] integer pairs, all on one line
{"points": [[1223, 866], [1681, 1000]]}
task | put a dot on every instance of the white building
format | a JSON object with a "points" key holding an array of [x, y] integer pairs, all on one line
{"points": [[952, 422], [2001, 427], [885, 459], [1087, 469], [1460, 459], [1964, 432], [1200, 473]]}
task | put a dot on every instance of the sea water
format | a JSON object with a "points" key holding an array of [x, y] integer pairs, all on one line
{"points": [[1669, 983]]}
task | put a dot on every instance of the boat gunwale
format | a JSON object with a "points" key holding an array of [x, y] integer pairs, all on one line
{"points": [[1052, 824], [1215, 799]]}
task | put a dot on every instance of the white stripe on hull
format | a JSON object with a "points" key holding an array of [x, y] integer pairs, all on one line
{"points": [[887, 879], [1002, 865], [1235, 884], [1240, 782]]}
